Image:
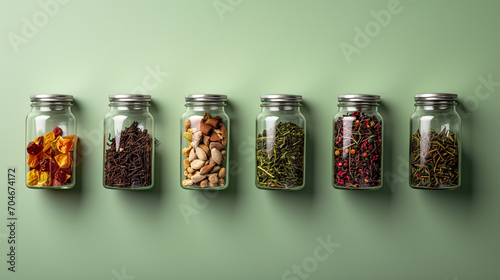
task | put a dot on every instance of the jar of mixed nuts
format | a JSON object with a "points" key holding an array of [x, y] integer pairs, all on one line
{"points": [[205, 142], [435, 142], [280, 146], [129, 143], [357, 143], [51, 142]]}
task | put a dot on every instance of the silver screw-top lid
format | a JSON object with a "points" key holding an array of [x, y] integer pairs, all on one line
{"points": [[206, 98], [436, 97], [368, 99], [130, 98], [359, 97], [51, 98], [281, 98]]}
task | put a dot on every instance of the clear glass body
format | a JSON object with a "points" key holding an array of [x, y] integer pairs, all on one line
{"points": [[280, 147], [435, 146], [357, 147], [204, 151], [129, 147], [51, 154]]}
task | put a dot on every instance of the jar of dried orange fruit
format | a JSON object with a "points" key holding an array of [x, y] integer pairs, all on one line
{"points": [[51, 142]]}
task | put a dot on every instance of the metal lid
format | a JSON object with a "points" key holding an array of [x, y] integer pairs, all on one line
{"points": [[281, 98], [130, 98], [51, 98], [436, 97], [206, 97], [359, 98]]}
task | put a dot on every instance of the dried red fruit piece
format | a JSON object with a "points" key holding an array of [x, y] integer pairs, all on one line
{"points": [[56, 183], [60, 176], [57, 132], [35, 168], [33, 149], [66, 170], [48, 165]]}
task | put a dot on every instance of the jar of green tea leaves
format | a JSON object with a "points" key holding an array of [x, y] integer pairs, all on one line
{"points": [[280, 146], [435, 142]]}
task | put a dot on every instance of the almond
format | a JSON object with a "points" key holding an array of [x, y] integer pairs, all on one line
{"points": [[207, 168], [205, 148], [206, 140], [192, 155], [216, 169], [200, 153], [224, 134], [216, 156], [197, 164], [216, 145], [197, 177]]}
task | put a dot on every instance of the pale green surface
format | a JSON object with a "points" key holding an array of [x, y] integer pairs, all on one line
{"points": [[95, 48]]}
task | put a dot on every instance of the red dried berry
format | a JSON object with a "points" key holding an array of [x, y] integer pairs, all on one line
{"points": [[44, 165], [37, 167], [60, 176], [66, 170], [56, 183], [57, 131], [53, 165], [33, 149]]}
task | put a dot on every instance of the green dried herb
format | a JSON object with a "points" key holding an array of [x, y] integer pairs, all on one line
{"points": [[434, 159], [280, 156]]}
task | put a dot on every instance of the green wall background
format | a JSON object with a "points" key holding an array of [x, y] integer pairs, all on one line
{"points": [[244, 49]]}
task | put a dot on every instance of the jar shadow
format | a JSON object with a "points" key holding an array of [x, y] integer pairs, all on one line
{"points": [[464, 195], [379, 201], [69, 199], [151, 200], [304, 197], [227, 198]]}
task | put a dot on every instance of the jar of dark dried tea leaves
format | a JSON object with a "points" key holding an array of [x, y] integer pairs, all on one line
{"points": [[129, 143]]}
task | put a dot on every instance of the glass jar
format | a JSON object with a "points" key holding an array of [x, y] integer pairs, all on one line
{"points": [[51, 142], [205, 142], [129, 147], [280, 146], [357, 143], [435, 142]]}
